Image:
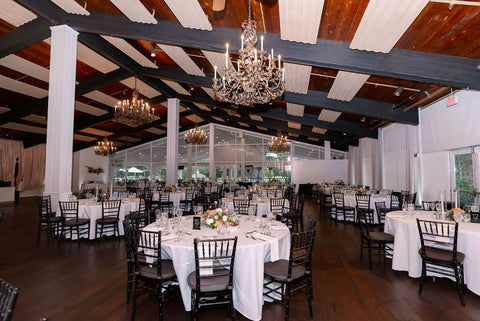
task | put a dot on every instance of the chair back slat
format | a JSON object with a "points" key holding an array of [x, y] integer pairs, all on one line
{"points": [[301, 250], [111, 208], [363, 201], [147, 248], [439, 234], [381, 209], [69, 210], [8, 299], [339, 200], [277, 206], [240, 206]]}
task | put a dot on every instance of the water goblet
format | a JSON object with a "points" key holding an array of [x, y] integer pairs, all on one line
{"points": [[251, 212], [438, 206], [221, 229]]}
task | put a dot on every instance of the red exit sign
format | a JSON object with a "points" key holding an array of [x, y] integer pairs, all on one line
{"points": [[451, 100]]}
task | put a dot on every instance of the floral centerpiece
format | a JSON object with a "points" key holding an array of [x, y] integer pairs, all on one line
{"points": [[255, 189], [339, 182], [215, 216], [455, 214], [92, 170]]}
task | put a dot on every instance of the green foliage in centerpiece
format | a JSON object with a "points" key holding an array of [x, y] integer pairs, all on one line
{"points": [[215, 216]]}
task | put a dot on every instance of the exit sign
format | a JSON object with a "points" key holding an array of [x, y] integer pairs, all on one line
{"points": [[452, 100]]}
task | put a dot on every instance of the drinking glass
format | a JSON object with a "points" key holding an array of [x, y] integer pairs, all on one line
{"points": [[251, 212], [221, 229], [438, 206], [432, 205]]}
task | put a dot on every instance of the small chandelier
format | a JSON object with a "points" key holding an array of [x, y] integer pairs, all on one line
{"points": [[196, 136], [134, 112], [279, 144], [258, 79], [105, 148]]}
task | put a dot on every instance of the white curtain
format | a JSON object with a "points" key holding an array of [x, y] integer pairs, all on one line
{"points": [[9, 151]]}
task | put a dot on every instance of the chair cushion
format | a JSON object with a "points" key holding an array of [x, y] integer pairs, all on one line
{"points": [[279, 270], [150, 272], [217, 282], [51, 219], [73, 222], [442, 255], [381, 237], [107, 220]]}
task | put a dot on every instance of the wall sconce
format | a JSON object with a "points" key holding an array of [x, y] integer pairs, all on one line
{"points": [[152, 52]]}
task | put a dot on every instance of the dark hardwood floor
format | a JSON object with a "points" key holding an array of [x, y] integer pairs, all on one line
{"points": [[87, 281]]}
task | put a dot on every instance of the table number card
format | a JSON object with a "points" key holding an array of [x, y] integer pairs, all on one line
{"points": [[196, 223], [475, 218]]}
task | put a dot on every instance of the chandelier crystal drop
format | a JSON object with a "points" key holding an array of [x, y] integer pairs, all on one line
{"points": [[256, 78], [279, 145], [196, 136], [134, 112], [105, 148]]}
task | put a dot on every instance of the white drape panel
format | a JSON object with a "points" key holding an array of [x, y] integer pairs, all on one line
{"points": [[378, 167], [33, 173], [9, 151], [351, 164], [369, 147], [395, 159]]}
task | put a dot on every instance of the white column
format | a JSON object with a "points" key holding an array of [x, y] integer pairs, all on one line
{"points": [[326, 145], [242, 164], [61, 98], [172, 141], [211, 151], [189, 164]]}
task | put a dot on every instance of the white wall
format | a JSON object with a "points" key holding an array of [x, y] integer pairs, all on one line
{"points": [[436, 175], [82, 159], [317, 171]]}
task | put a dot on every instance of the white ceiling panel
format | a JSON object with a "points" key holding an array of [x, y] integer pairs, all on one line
{"points": [[202, 106], [243, 124], [295, 109], [384, 22], [300, 20], [15, 14], [97, 132], [262, 128], [84, 138], [183, 60], [22, 88], [71, 6], [142, 87], [129, 139], [36, 119], [94, 60], [218, 118], [135, 11], [194, 118], [293, 134], [346, 85], [102, 98], [297, 77], [189, 13], [130, 51], [4, 110], [84, 108], [329, 115], [217, 59], [295, 125], [315, 139], [24, 128], [319, 130], [209, 91], [25, 67], [176, 86], [256, 117]]}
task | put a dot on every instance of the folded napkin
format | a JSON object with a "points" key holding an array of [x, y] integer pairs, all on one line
{"points": [[279, 227], [169, 237], [262, 236]]}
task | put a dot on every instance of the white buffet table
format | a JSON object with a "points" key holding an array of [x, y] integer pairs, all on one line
{"points": [[407, 243], [249, 259]]}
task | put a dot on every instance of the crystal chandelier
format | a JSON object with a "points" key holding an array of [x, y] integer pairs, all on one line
{"points": [[279, 144], [134, 112], [105, 148], [196, 136], [258, 79]]}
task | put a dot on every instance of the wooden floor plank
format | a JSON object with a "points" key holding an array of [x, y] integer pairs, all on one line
{"points": [[87, 281]]}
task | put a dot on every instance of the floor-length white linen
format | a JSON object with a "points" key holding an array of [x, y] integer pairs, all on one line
{"points": [[248, 268], [350, 200], [263, 206], [93, 211], [407, 243]]}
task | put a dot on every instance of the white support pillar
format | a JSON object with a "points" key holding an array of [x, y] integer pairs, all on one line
{"points": [[242, 164], [211, 152], [172, 141], [189, 164], [61, 98], [327, 151]]}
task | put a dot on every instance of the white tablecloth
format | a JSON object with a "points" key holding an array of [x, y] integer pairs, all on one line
{"points": [[101, 186], [93, 211], [248, 268], [407, 243], [262, 209], [175, 197]]}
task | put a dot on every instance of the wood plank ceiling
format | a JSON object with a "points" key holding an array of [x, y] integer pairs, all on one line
{"points": [[334, 92]]}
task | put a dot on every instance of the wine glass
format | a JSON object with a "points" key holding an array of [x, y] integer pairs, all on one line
{"points": [[438, 206], [251, 212], [432, 205]]}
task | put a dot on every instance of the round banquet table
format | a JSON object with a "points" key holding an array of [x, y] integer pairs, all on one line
{"points": [[350, 200], [407, 243], [175, 197], [249, 259], [262, 209], [93, 210]]}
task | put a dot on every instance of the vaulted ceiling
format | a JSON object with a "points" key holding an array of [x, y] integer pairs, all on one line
{"points": [[343, 61]]}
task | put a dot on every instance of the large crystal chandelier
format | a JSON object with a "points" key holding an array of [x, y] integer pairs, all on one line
{"points": [[134, 112], [196, 136], [105, 148], [257, 79], [279, 144]]}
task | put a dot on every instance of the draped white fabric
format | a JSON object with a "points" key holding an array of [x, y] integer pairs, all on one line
{"points": [[9, 151]]}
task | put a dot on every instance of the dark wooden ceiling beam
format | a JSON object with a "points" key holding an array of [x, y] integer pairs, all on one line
{"points": [[24, 36], [405, 64], [85, 86], [357, 106]]}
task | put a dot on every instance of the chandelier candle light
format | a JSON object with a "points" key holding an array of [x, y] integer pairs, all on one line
{"points": [[105, 148], [196, 136], [258, 79], [279, 144], [135, 112]]}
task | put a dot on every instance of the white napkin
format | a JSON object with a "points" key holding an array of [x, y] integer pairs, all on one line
{"points": [[169, 237], [262, 236], [279, 227]]}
